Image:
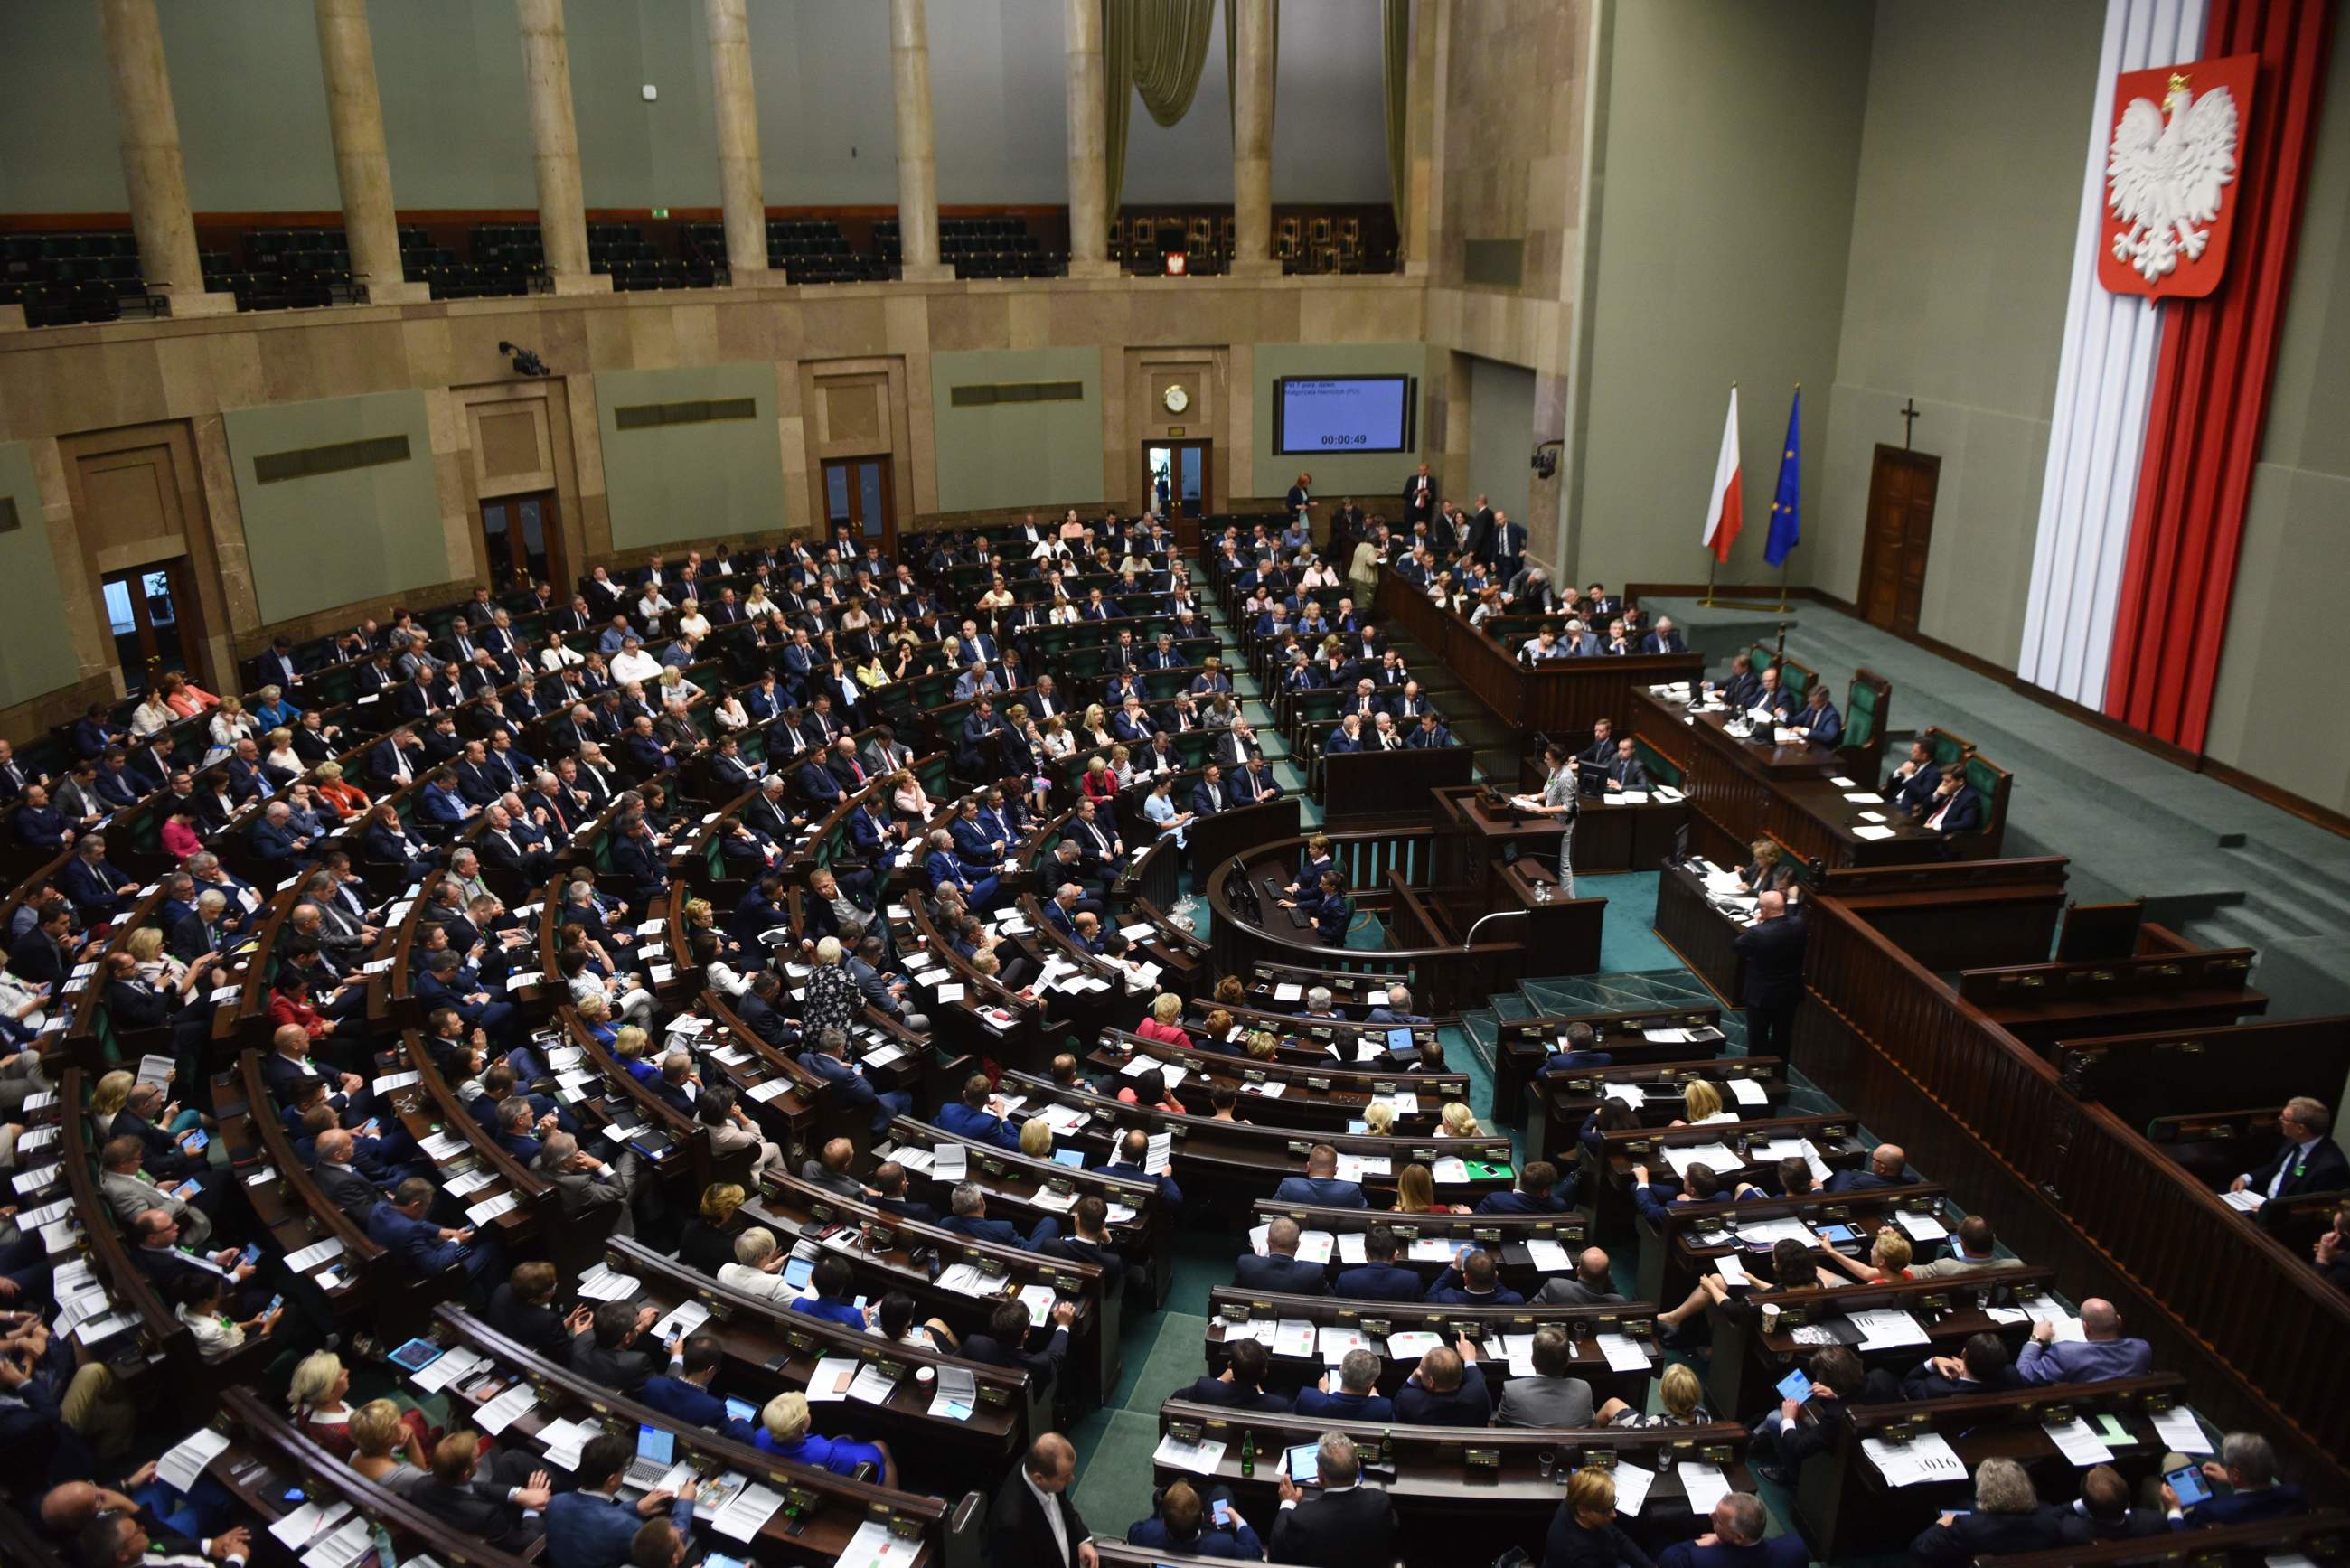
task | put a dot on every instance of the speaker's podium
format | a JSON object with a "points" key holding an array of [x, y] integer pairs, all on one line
{"points": [[1485, 863]]}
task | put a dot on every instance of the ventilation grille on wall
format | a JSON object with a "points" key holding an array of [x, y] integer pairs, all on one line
{"points": [[8, 514], [1018, 392], [701, 411], [310, 461], [1495, 264]]}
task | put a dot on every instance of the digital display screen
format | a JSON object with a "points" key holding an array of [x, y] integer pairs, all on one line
{"points": [[1343, 413]]}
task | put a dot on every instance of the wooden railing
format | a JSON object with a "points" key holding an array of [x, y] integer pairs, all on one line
{"points": [[2072, 1185]]}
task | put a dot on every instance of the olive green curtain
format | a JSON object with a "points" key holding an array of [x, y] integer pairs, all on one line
{"points": [[1155, 47], [1394, 55]]}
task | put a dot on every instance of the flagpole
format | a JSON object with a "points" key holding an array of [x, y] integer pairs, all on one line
{"points": [[1712, 557]]}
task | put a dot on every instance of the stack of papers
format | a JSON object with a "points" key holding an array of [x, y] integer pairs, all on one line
{"points": [[2180, 1428], [956, 1395], [754, 1505], [1719, 1157], [1632, 1484], [506, 1409], [1921, 1227], [1888, 1329], [602, 1282]]}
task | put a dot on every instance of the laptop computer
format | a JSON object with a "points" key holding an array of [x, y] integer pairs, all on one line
{"points": [[656, 1452]]}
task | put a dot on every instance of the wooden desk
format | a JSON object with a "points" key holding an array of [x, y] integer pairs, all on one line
{"points": [[1440, 1504], [1741, 789], [1562, 1103], [1504, 1235], [1299, 1098], [1230, 1306], [1609, 836], [1701, 934], [1364, 788], [1845, 1507], [1743, 1374], [1674, 1254], [1525, 1043], [829, 1508]]}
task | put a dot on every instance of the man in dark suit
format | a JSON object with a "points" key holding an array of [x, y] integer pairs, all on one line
{"points": [[1379, 1278], [2307, 1161], [1736, 1541], [1341, 1524], [1033, 1521], [1773, 950], [1280, 1269], [1888, 1166], [1982, 1365], [1912, 785], [1957, 806], [1664, 638], [603, 1354], [1418, 506], [1240, 1385], [1446, 1389], [1625, 769]]}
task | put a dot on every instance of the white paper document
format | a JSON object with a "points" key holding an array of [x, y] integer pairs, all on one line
{"points": [[1632, 1484], [506, 1409], [754, 1505], [2077, 1441], [1412, 1344], [2180, 1428], [1704, 1484], [1747, 1092], [1719, 1157], [186, 1461], [1293, 1336], [1200, 1459], [1926, 1457], [1624, 1353]]}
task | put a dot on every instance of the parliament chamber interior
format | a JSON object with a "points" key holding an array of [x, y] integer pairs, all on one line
{"points": [[1525, 787]]}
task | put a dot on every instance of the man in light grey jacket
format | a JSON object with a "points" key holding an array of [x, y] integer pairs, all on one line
{"points": [[130, 1193], [1550, 1398]]}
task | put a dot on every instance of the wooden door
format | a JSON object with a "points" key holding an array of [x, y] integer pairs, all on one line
{"points": [[151, 616], [520, 540], [1902, 486], [857, 493]]}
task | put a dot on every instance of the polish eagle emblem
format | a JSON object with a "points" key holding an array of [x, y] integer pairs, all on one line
{"points": [[2165, 176]]}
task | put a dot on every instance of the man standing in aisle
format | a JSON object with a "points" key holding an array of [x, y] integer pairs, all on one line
{"points": [[1773, 950]]}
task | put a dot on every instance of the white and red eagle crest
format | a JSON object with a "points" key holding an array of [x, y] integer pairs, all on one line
{"points": [[2171, 191]]}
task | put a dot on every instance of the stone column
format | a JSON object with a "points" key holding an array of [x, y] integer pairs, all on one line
{"points": [[151, 168], [917, 167], [737, 106], [1432, 22], [1252, 142], [347, 55], [555, 148], [1089, 212]]}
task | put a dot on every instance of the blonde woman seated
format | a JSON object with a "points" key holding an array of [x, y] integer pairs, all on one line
{"points": [[156, 967], [997, 596], [1037, 1138], [1457, 1120], [988, 967], [1678, 1391], [1701, 1105], [758, 1266], [381, 1446], [690, 621], [675, 687], [908, 796], [230, 723], [319, 1399], [1379, 1118], [1093, 729], [1262, 1045], [1058, 743], [280, 755], [1888, 1258]]}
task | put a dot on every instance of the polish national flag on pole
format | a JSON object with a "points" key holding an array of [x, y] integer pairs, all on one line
{"points": [[1724, 512]]}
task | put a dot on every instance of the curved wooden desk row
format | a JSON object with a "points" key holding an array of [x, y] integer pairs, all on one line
{"points": [[1523, 1043], [1563, 1102], [1281, 1094], [888, 1252], [1235, 1155], [1462, 1494], [820, 1512], [1311, 1043], [1377, 1324], [1673, 1253]]}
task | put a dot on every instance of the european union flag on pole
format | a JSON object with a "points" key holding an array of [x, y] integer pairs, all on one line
{"points": [[1786, 522]]}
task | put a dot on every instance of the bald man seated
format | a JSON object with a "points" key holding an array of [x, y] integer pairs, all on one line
{"points": [[1888, 1166]]}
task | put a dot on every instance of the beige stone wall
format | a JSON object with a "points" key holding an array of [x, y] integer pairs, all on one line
{"points": [[77, 393]]}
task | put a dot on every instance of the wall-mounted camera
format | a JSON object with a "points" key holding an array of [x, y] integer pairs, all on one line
{"points": [[525, 361]]}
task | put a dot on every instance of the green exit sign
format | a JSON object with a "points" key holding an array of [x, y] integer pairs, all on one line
{"points": [[661, 212]]}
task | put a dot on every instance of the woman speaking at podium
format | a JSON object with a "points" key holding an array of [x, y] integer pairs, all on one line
{"points": [[1560, 797]]}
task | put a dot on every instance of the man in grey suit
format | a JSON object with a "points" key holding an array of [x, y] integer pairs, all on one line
{"points": [[1590, 1285], [587, 1187], [131, 1192], [345, 1185], [1280, 1269], [1550, 1398]]}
